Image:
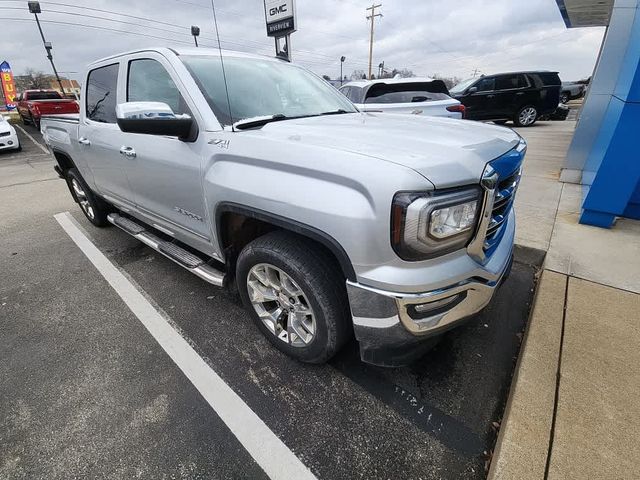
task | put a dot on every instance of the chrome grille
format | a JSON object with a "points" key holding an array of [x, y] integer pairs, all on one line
{"points": [[502, 204]]}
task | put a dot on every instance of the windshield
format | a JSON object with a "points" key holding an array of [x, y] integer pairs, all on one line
{"points": [[260, 87], [462, 86], [44, 96]]}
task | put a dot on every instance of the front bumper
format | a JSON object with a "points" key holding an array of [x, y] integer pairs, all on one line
{"points": [[9, 142], [393, 329]]}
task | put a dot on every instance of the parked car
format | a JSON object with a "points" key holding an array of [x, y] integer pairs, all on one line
{"points": [[8, 138], [571, 91], [419, 96], [520, 96], [328, 221], [32, 104]]}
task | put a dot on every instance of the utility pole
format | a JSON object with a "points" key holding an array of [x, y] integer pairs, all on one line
{"points": [[34, 7], [381, 69], [372, 17], [475, 72]]}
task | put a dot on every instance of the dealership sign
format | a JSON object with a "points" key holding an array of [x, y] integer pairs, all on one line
{"points": [[8, 85], [280, 16]]}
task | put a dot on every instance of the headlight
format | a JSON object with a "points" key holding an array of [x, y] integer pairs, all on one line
{"points": [[425, 225]]}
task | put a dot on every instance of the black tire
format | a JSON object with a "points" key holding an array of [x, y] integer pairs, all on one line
{"points": [[517, 119], [95, 209], [24, 120], [19, 148], [564, 97], [317, 276]]}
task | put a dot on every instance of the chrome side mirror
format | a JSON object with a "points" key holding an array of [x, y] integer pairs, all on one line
{"points": [[153, 118]]}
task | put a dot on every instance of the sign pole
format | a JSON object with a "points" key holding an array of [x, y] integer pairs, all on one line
{"points": [[280, 18]]}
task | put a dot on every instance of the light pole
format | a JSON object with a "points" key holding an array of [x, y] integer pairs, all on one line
{"points": [[195, 31], [381, 70], [342, 59], [34, 7]]}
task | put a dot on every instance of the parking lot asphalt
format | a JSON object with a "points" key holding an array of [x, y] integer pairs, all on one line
{"points": [[86, 391]]}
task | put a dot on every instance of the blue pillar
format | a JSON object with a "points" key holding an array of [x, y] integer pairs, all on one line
{"points": [[611, 175]]}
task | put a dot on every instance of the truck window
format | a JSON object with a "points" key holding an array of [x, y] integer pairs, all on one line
{"points": [[150, 82], [44, 95], [410, 92], [102, 93]]}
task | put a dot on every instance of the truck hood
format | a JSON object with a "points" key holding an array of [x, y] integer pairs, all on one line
{"points": [[445, 151]]}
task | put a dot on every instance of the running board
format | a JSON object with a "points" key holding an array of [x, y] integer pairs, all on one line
{"points": [[182, 257]]}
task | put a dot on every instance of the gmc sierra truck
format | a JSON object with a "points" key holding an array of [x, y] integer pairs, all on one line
{"points": [[255, 174]]}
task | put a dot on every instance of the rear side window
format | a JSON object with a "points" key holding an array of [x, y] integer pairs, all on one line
{"points": [[102, 94], [150, 82], [509, 82], [410, 96], [548, 78]]}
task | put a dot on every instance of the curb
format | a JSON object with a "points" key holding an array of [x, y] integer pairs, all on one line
{"points": [[522, 447]]}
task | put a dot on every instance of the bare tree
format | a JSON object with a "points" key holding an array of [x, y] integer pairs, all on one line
{"points": [[32, 80], [358, 75], [326, 77], [448, 81]]}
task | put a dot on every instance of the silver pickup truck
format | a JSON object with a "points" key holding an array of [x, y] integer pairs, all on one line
{"points": [[254, 173]]}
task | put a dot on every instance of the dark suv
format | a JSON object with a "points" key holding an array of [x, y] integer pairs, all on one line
{"points": [[519, 96]]}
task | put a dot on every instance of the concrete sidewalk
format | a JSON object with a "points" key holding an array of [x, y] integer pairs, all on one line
{"points": [[573, 407]]}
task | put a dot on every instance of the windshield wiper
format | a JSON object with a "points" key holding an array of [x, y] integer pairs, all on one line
{"points": [[335, 112], [259, 121]]}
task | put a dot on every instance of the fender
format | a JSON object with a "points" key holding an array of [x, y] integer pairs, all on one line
{"points": [[297, 227]]}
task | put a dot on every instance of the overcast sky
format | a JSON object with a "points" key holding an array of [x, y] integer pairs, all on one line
{"points": [[429, 37]]}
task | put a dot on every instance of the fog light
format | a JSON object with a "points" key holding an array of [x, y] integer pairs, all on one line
{"points": [[430, 309], [10, 142]]}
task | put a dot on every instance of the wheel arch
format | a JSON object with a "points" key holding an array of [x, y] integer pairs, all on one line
{"points": [[272, 221]]}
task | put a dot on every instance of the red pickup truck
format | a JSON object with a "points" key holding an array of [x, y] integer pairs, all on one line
{"points": [[32, 104]]}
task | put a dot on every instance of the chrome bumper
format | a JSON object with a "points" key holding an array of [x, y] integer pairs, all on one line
{"points": [[391, 327]]}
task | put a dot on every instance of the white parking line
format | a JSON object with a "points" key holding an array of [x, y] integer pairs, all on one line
{"points": [[31, 138], [263, 445]]}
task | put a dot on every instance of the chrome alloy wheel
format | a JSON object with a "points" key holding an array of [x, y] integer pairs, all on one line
{"points": [[281, 305], [82, 199], [527, 116]]}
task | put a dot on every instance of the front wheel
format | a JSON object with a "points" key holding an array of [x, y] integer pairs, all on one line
{"points": [[94, 208], [295, 294], [526, 116]]}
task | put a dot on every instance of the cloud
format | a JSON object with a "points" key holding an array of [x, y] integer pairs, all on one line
{"points": [[449, 38]]}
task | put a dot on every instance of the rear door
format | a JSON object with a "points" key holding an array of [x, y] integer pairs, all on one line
{"points": [[512, 92], [165, 174], [99, 135]]}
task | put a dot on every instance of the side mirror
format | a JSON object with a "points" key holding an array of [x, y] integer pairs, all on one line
{"points": [[153, 118], [472, 90]]}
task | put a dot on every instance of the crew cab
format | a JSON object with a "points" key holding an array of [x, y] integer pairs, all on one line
{"points": [[262, 177], [418, 96], [32, 104]]}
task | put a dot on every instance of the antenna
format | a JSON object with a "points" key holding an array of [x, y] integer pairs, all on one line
{"points": [[224, 75]]}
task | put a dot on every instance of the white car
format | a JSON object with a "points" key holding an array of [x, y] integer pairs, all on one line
{"points": [[419, 96], [8, 137]]}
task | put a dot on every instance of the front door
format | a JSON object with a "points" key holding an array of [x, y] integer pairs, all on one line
{"points": [[479, 104], [164, 172], [511, 94]]}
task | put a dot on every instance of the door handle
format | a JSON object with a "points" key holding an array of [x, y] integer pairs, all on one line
{"points": [[128, 152], [84, 141], [490, 96]]}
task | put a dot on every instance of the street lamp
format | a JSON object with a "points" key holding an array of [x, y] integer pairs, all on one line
{"points": [[34, 7], [342, 59], [195, 31], [381, 69]]}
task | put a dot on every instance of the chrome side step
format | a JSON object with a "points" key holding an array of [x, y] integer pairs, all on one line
{"points": [[182, 257]]}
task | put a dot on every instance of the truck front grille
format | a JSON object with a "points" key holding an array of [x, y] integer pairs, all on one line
{"points": [[502, 205]]}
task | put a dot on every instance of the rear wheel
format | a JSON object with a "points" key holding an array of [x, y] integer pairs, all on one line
{"points": [[94, 208], [295, 294], [526, 116]]}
